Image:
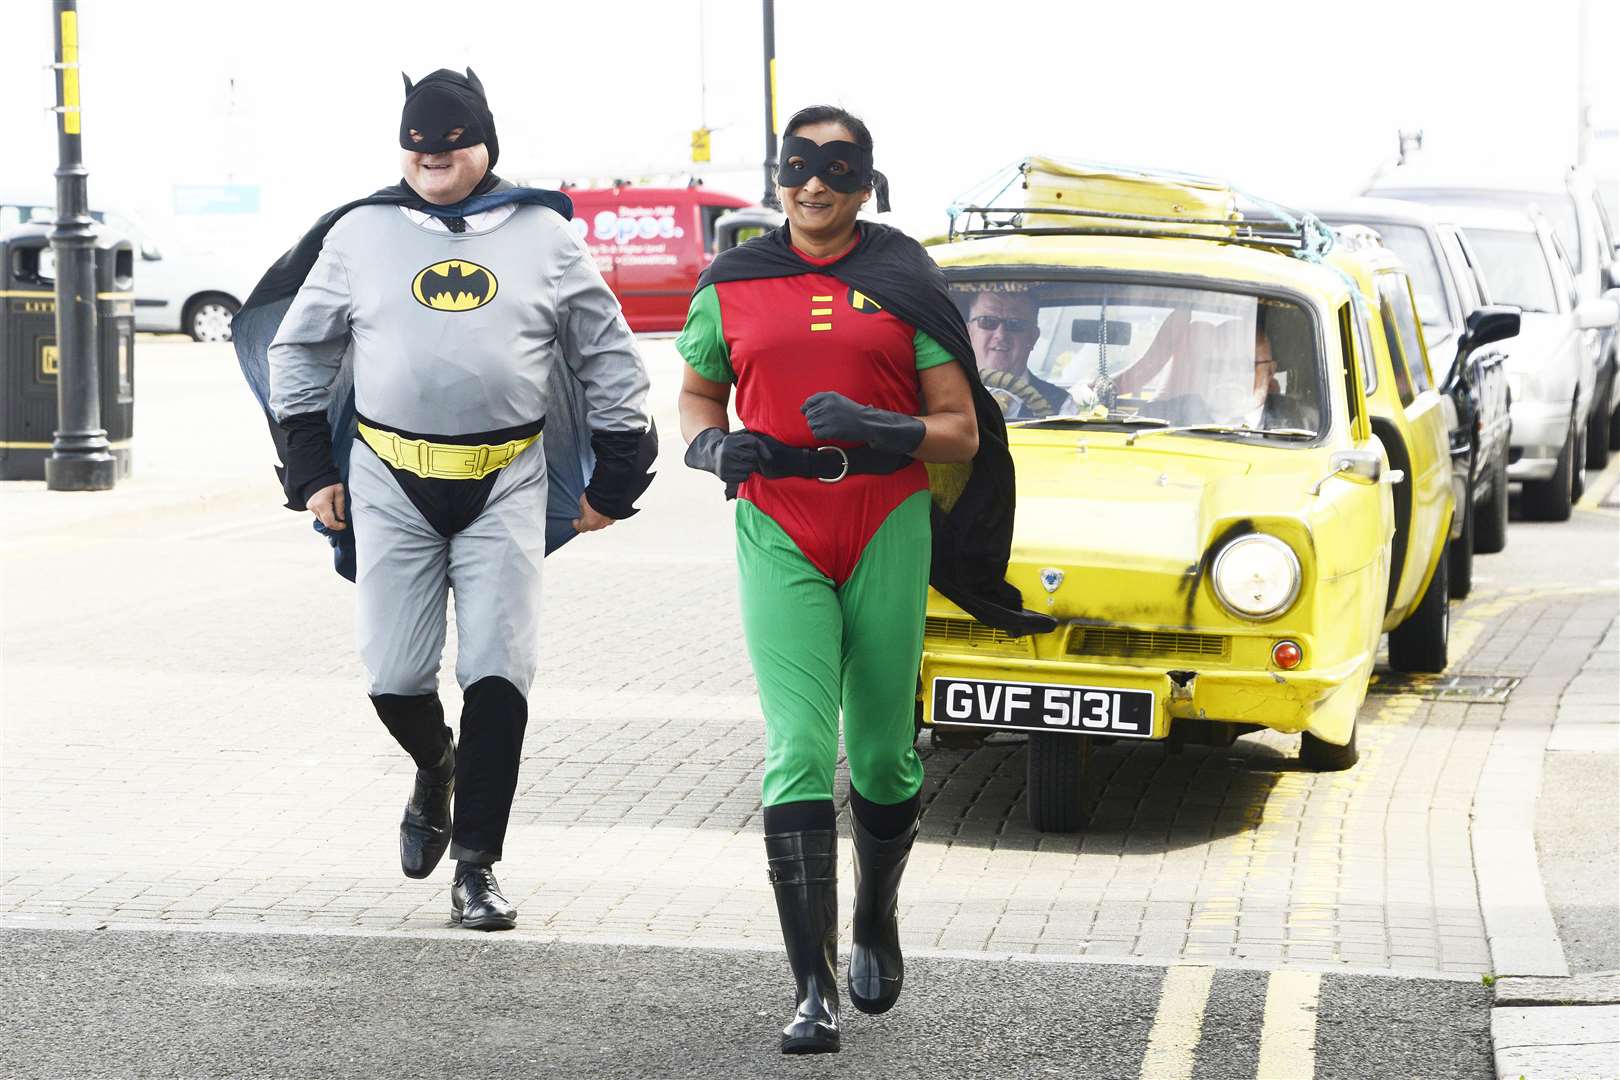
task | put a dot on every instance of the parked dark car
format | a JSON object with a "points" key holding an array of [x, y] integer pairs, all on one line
{"points": [[1450, 292]]}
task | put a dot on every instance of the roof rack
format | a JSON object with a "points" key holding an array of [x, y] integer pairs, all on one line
{"points": [[1104, 200]]}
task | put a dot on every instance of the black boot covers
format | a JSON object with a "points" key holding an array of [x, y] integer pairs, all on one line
{"points": [[804, 874]]}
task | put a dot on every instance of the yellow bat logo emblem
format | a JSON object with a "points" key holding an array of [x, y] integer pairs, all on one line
{"points": [[455, 285]]}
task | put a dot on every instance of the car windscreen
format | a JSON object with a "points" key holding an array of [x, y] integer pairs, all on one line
{"points": [[1123, 352], [1411, 243], [1560, 210], [1515, 268]]}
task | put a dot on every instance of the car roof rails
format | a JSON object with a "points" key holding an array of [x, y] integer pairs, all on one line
{"points": [[1066, 198]]}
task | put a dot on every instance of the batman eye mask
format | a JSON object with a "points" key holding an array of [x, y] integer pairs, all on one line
{"points": [[438, 105], [842, 166]]}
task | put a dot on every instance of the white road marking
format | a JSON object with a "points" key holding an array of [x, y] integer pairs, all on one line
{"points": [[1177, 1025], [1288, 1032]]}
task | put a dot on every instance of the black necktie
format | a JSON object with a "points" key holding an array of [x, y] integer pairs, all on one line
{"points": [[456, 224]]}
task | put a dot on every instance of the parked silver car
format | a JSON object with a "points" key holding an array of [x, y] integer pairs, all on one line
{"points": [[1552, 364], [1449, 287], [1587, 233], [192, 294]]}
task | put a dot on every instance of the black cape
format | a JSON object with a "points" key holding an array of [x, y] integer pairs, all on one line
{"points": [[973, 504], [566, 440]]}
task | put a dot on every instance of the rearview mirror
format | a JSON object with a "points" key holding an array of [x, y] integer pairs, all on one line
{"points": [[1597, 314], [1089, 332], [1487, 324]]}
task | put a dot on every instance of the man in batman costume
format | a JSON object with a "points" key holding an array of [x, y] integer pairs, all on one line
{"points": [[852, 369], [411, 351]]}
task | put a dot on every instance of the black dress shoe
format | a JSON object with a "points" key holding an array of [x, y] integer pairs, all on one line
{"points": [[476, 901], [424, 831]]}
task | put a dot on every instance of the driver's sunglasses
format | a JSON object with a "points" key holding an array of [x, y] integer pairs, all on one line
{"points": [[992, 323]]}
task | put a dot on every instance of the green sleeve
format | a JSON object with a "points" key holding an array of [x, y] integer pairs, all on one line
{"points": [[702, 343], [930, 353]]}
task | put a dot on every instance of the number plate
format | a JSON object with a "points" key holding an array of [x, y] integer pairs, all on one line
{"points": [[1095, 710]]}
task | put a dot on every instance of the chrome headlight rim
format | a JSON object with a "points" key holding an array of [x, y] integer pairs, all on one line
{"points": [[1275, 542]]}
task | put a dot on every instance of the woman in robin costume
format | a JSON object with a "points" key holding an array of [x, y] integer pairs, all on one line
{"points": [[831, 330]]}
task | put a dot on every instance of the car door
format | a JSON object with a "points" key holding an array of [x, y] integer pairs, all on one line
{"points": [[1488, 364], [1424, 431], [1588, 342]]}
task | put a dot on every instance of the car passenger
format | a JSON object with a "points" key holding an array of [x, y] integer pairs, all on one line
{"points": [[1227, 395], [1003, 329]]}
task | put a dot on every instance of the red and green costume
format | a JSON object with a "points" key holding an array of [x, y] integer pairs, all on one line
{"points": [[834, 576]]}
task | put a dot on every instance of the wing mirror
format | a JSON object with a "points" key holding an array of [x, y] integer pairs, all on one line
{"points": [[1597, 314], [1484, 325], [1360, 467]]}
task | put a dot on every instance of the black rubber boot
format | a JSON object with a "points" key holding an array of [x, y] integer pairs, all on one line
{"points": [[804, 873], [476, 901], [876, 969], [424, 831]]}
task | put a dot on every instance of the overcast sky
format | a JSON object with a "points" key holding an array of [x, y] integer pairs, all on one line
{"points": [[301, 97]]}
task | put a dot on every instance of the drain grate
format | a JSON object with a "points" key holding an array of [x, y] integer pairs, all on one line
{"points": [[1473, 689]]}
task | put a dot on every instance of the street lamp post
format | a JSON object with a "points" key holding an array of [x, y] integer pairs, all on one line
{"points": [[80, 458], [770, 105]]}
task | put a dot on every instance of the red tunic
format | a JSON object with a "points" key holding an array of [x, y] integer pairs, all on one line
{"points": [[789, 338]]}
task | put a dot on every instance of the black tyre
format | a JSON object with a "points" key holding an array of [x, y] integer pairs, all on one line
{"points": [[1577, 478], [1319, 755], [1057, 792], [1553, 498], [208, 317], [1491, 516], [1597, 434], [1419, 643], [1461, 552]]}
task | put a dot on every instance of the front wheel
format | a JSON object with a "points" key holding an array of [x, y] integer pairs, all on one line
{"points": [[1597, 434], [1419, 643], [1491, 516], [1056, 790], [209, 318], [1319, 755], [1552, 499], [1462, 551]]}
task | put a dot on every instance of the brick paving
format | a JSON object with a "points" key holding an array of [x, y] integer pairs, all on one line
{"points": [[204, 753]]}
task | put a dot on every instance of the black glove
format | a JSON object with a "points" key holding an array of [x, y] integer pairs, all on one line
{"points": [[732, 456], [309, 466], [834, 416], [624, 461]]}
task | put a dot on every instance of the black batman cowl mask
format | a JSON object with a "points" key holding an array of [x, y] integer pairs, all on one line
{"points": [[442, 102]]}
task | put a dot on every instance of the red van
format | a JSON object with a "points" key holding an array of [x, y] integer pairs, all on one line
{"points": [[650, 244]]}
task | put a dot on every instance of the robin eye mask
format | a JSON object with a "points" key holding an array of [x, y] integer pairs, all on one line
{"points": [[842, 166]]}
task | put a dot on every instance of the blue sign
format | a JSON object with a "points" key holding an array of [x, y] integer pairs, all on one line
{"points": [[216, 199]]}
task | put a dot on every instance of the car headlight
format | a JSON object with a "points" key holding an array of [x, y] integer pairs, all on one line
{"points": [[1256, 576]]}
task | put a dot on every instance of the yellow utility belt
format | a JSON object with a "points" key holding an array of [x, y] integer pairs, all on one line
{"points": [[443, 461]]}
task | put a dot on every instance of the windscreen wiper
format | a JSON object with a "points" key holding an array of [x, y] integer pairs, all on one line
{"points": [[1116, 418], [1227, 429]]}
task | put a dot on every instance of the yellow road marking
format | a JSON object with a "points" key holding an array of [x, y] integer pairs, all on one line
{"points": [[1178, 1024], [1288, 1032], [1599, 488]]}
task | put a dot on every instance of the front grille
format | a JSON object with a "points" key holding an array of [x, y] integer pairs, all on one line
{"points": [[969, 632], [1118, 641]]}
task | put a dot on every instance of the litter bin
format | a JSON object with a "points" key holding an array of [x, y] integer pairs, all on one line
{"points": [[28, 353]]}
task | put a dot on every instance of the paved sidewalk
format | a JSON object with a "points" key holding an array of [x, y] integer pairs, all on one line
{"points": [[201, 751]]}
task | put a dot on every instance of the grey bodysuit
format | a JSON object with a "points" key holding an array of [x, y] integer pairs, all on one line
{"points": [[453, 335]]}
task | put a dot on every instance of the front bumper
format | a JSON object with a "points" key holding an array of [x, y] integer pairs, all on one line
{"points": [[1540, 430], [1287, 701]]}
